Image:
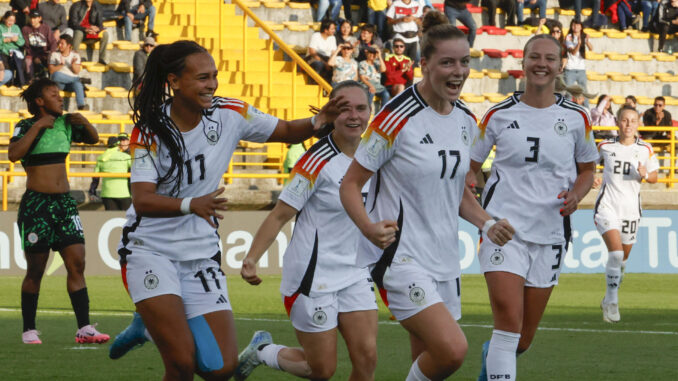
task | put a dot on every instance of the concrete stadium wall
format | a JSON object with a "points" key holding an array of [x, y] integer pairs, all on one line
{"points": [[655, 252]]}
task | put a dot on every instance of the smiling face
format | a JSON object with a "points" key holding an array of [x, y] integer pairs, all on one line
{"points": [[196, 84], [345, 28], [447, 68], [9, 21], [541, 63], [628, 123], [352, 121]]}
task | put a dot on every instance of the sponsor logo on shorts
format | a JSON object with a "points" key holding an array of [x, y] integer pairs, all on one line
{"points": [[32, 237], [151, 280], [319, 317], [497, 258], [417, 294]]}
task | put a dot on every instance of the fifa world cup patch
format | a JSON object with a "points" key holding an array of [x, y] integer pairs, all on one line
{"points": [[497, 258], [417, 294], [319, 316], [375, 145], [151, 280]]}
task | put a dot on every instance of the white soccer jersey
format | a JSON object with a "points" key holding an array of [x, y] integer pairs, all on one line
{"points": [[537, 152], [620, 191], [321, 256], [209, 147], [420, 159]]}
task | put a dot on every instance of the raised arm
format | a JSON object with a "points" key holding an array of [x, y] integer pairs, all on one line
{"points": [[296, 131]]}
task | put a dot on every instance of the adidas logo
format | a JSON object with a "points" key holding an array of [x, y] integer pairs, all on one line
{"points": [[426, 140], [613, 154], [222, 300], [514, 125], [555, 278]]}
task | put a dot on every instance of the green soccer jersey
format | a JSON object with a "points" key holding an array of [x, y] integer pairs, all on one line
{"points": [[114, 161], [52, 145]]}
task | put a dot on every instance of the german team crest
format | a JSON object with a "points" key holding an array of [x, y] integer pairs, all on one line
{"points": [[151, 280], [212, 133], [319, 317], [417, 294], [464, 136], [560, 127], [497, 257]]}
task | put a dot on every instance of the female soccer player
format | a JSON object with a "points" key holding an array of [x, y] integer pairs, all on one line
{"points": [[545, 158], [417, 148], [48, 215], [322, 287], [181, 145], [627, 162]]}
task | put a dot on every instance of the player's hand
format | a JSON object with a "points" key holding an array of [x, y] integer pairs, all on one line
{"points": [[207, 206], [77, 119], [597, 181], [471, 182], [570, 202], [330, 111], [46, 121], [382, 233], [501, 232], [249, 272], [642, 171]]}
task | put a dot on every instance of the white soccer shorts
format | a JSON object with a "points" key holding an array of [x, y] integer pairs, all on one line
{"points": [[539, 264], [321, 313], [200, 283], [606, 220], [409, 289]]}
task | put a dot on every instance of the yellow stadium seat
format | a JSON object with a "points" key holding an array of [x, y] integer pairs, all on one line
{"points": [[475, 53], [595, 56], [295, 5], [618, 99], [113, 114], [639, 35], [116, 92], [94, 67], [495, 97], [252, 4], [672, 78], [613, 33], [24, 113], [550, 12], [586, 12], [644, 78], [496, 74], [566, 12], [592, 33], [472, 98], [298, 27], [595, 76], [671, 101], [417, 72], [274, 4], [10, 91], [615, 56], [93, 92], [620, 77], [643, 100], [475, 74], [665, 58], [276, 27], [121, 67], [110, 23], [521, 32], [641, 57]]}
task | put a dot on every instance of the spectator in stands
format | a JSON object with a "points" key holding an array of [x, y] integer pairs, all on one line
{"points": [[40, 43], [666, 21], [532, 4], [320, 48], [602, 115], [345, 34], [140, 57], [345, 67], [631, 101], [54, 15], [656, 116], [135, 12], [11, 47], [324, 5], [115, 193], [64, 67], [576, 43], [370, 71], [595, 20], [624, 13], [399, 69], [405, 17], [456, 10], [376, 15], [648, 8], [368, 37], [556, 30], [86, 19], [21, 8], [123, 139], [508, 6], [5, 75]]}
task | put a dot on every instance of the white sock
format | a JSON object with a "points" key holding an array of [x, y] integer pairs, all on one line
{"points": [[269, 355], [613, 275], [415, 373], [623, 266], [501, 357]]}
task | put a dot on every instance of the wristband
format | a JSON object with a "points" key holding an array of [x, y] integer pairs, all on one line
{"points": [[186, 205], [647, 175], [313, 120], [488, 225]]}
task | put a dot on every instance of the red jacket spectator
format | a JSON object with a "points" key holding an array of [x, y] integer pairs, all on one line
{"points": [[395, 73]]}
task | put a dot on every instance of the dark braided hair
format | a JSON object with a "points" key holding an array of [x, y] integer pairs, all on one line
{"points": [[34, 91], [154, 92]]}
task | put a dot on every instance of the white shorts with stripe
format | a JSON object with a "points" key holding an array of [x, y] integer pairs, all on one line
{"points": [[409, 289], [320, 313], [200, 283], [539, 264]]}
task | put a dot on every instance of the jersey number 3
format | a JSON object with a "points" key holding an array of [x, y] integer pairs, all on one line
{"points": [[534, 149]]}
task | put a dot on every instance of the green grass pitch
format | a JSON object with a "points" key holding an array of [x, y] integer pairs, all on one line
{"points": [[573, 342]]}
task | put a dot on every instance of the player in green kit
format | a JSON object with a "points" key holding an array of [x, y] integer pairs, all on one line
{"points": [[48, 217]]}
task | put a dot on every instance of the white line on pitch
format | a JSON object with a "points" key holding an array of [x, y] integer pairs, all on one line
{"points": [[112, 313]]}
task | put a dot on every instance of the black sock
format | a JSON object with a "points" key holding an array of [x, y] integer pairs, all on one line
{"points": [[80, 303], [29, 306]]}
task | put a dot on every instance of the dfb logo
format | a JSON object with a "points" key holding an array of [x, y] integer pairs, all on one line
{"points": [[500, 376]]}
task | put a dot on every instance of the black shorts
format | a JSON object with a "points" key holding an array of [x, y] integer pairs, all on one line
{"points": [[48, 221]]}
